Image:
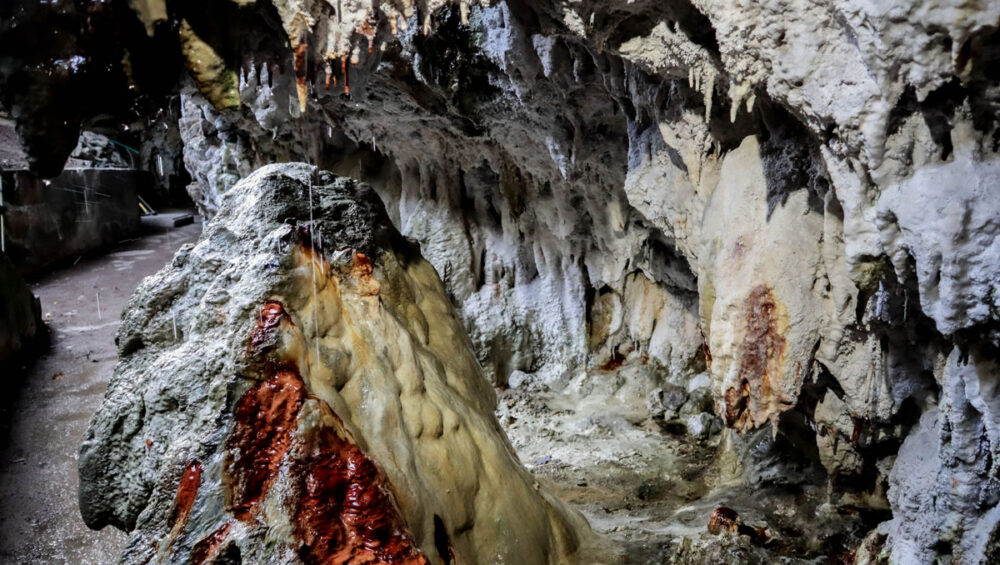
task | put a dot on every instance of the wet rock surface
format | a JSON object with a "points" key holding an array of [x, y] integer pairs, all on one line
{"points": [[296, 387]]}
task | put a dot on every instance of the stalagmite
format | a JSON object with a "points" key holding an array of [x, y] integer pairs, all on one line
{"points": [[376, 443], [709, 92]]}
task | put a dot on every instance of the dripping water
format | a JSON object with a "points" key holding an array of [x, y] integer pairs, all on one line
{"points": [[312, 244]]}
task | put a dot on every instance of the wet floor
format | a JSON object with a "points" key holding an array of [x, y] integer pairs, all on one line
{"points": [[46, 408]]}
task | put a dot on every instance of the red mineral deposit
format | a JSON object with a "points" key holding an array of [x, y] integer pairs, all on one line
{"points": [[184, 500], [265, 420], [209, 547], [345, 514]]}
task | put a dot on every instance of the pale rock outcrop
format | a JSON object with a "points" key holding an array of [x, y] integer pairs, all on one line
{"points": [[96, 150], [952, 238], [756, 291], [944, 485], [296, 387]]}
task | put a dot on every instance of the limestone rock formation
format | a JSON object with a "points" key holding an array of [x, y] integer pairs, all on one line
{"points": [[97, 151], [807, 192], [296, 388]]}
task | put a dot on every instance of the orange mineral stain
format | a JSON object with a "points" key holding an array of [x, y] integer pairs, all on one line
{"points": [[363, 264], [614, 361], [761, 356], [269, 316], [300, 74], [363, 271], [343, 70], [186, 492], [345, 514], [367, 29], [209, 547], [265, 420]]}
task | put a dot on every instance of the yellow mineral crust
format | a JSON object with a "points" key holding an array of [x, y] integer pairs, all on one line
{"points": [[381, 346], [149, 12], [216, 82]]}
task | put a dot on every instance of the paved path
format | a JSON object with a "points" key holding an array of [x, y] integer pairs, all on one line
{"points": [[45, 410]]}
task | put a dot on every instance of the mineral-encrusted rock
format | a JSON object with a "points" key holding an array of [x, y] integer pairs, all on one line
{"points": [[945, 484], [296, 388]]}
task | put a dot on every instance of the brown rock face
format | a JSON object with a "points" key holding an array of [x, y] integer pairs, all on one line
{"points": [[761, 357]]}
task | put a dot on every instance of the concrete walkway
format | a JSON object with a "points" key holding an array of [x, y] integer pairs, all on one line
{"points": [[45, 409]]}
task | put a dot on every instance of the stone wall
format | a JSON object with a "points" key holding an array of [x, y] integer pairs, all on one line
{"points": [[21, 327], [51, 221]]}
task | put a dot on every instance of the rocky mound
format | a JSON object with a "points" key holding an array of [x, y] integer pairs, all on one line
{"points": [[296, 388]]}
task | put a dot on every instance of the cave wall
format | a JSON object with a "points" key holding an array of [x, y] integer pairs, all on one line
{"points": [[804, 195], [51, 221], [519, 246]]}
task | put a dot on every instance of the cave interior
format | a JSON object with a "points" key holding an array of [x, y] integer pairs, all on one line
{"points": [[500, 282]]}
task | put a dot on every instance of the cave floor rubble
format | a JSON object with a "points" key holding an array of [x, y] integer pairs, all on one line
{"points": [[652, 490], [46, 406]]}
